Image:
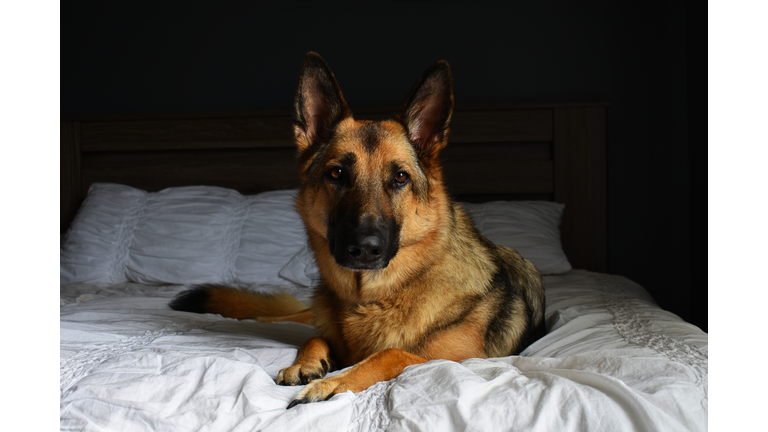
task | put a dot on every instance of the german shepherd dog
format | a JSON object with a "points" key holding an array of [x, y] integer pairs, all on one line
{"points": [[405, 276]]}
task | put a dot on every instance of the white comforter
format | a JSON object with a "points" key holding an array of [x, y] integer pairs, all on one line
{"points": [[612, 361]]}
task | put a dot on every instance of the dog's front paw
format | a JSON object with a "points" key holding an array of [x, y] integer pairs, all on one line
{"points": [[320, 390], [301, 374]]}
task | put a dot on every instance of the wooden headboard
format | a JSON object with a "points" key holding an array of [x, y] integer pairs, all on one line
{"points": [[553, 152]]}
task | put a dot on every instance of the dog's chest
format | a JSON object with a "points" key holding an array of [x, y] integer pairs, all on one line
{"points": [[377, 326]]}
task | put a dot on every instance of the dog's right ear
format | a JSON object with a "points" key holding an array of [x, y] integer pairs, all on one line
{"points": [[319, 103]]}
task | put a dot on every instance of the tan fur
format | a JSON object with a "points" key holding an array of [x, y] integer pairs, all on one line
{"points": [[311, 363], [306, 316], [247, 305]]}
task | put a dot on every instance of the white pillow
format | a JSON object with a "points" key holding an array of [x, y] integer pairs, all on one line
{"points": [[184, 235], [302, 269], [207, 234], [529, 227]]}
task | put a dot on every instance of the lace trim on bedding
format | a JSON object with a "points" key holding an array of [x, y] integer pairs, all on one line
{"points": [[370, 408], [117, 272], [632, 328], [82, 363], [232, 237]]}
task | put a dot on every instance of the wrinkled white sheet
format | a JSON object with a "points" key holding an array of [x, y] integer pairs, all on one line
{"points": [[611, 361]]}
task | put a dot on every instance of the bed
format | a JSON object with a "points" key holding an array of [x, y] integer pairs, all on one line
{"points": [[151, 204]]}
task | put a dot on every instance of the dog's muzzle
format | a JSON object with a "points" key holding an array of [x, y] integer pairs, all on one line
{"points": [[365, 246]]}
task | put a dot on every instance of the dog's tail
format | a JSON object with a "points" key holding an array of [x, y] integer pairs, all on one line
{"points": [[242, 304]]}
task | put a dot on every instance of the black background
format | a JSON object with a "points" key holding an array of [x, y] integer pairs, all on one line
{"points": [[134, 58]]}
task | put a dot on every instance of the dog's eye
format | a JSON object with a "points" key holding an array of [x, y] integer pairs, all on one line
{"points": [[401, 177], [335, 172]]}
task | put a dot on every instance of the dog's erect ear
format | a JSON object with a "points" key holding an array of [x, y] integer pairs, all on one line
{"points": [[319, 103], [426, 112]]}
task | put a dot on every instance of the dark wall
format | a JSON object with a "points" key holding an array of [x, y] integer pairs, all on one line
{"points": [[193, 58]]}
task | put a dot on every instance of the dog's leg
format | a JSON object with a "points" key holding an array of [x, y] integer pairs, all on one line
{"points": [[312, 363], [382, 366]]}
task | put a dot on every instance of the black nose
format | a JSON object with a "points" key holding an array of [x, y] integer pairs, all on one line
{"points": [[367, 244], [366, 247]]}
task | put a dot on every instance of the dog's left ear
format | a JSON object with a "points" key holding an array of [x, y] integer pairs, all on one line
{"points": [[426, 112]]}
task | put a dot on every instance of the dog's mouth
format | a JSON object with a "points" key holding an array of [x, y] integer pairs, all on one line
{"points": [[358, 266]]}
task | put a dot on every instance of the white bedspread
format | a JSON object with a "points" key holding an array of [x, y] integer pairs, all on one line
{"points": [[611, 361]]}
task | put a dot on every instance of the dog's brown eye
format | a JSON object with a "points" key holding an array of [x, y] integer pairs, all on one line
{"points": [[401, 177], [335, 173]]}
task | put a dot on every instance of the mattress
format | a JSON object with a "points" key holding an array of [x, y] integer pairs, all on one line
{"points": [[612, 360]]}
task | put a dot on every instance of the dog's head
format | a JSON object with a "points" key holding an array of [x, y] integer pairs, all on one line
{"points": [[366, 185]]}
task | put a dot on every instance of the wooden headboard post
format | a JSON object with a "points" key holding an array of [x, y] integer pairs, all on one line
{"points": [[580, 184], [70, 182], [553, 152]]}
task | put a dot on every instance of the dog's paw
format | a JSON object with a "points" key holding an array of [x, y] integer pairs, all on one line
{"points": [[320, 390], [301, 374]]}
